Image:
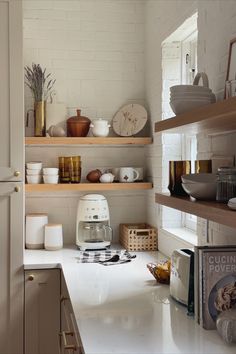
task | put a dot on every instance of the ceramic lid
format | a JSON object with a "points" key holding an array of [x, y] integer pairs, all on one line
{"points": [[81, 119]]}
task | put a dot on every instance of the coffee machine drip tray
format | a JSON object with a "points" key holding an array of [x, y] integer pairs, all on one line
{"points": [[93, 245], [93, 241]]}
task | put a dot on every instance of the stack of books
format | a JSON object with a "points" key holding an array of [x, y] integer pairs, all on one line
{"points": [[215, 283]]}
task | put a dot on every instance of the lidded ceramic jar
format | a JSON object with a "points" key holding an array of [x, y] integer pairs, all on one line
{"points": [[78, 126], [100, 127]]}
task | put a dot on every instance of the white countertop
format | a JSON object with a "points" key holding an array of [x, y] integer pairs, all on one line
{"points": [[121, 309]]}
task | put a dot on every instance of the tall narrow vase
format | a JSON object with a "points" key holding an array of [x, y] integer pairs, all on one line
{"points": [[40, 118]]}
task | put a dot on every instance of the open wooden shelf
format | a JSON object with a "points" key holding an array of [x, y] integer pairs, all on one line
{"points": [[210, 210], [214, 118], [87, 141], [87, 187]]}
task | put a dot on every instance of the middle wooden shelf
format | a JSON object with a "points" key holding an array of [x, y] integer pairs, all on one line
{"points": [[87, 187], [211, 210]]}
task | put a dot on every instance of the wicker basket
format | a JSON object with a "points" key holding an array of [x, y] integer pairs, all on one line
{"points": [[138, 237]]}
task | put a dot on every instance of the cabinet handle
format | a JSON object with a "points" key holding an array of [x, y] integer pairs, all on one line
{"points": [[17, 189], [31, 277], [17, 173], [64, 298], [66, 345]]}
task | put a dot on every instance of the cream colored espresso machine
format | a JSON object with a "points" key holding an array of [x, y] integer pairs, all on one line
{"points": [[93, 231]]}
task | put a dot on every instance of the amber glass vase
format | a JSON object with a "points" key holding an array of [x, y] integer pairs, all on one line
{"points": [[176, 170]]}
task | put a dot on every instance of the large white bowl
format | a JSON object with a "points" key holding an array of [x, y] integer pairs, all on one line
{"points": [[189, 88], [204, 191], [199, 178], [182, 106]]}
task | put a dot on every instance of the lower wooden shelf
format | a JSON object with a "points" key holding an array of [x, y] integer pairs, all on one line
{"points": [[210, 210], [87, 187]]}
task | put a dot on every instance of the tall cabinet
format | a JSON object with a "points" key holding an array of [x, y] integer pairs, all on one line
{"points": [[11, 178]]}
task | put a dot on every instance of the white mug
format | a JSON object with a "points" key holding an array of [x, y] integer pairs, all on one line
{"points": [[128, 174]]}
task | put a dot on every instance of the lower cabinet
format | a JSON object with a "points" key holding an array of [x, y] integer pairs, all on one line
{"points": [[50, 324], [70, 338], [42, 311]]}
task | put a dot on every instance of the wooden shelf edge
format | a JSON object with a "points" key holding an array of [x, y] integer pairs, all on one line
{"points": [[87, 141], [87, 187], [216, 117], [210, 210]]}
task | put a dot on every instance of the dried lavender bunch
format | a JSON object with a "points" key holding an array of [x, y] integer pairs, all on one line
{"points": [[39, 83]]}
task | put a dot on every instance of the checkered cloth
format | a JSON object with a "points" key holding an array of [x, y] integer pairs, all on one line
{"points": [[100, 256]]}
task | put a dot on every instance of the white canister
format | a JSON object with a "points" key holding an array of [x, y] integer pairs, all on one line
{"points": [[128, 175], [100, 127], [34, 230], [53, 237]]}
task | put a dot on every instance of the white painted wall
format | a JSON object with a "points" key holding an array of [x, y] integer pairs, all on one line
{"points": [[99, 52], [95, 50], [216, 26]]}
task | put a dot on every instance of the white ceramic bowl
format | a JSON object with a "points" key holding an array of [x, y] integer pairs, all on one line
{"points": [[189, 88], [49, 179], [204, 191], [182, 106], [200, 185], [33, 172], [34, 165], [35, 179], [199, 178], [50, 171]]}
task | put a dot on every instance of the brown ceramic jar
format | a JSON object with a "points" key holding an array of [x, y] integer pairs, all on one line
{"points": [[78, 126]]}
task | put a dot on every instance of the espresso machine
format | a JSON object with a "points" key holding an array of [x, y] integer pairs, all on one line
{"points": [[93, 231]]}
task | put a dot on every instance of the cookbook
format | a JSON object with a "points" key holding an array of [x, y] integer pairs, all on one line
{"points": [[216, 278]]}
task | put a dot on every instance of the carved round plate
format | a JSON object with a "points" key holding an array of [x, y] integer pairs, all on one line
{"points": [[129, 120]]}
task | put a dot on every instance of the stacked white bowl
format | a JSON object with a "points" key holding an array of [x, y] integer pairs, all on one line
{"points": [[50, 175], [184, 98], [34, 172]]}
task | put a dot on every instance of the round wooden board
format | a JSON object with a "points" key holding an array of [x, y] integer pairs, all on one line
{"points": [[129, 120]]}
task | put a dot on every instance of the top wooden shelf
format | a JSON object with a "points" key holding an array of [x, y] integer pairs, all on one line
{"points": [[87, 141], [212, 119]]}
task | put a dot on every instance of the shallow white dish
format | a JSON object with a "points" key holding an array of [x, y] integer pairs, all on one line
{"points": [[35, 179], [199, 178], [33, 172], [49, 179], [204, 191], [34, 165], [50, 171]]}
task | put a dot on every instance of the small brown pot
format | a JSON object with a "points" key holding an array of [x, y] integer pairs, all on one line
{"points": [[78, 126]]}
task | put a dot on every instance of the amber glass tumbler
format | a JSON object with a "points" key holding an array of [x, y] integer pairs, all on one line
{"points": [[70, 169]]}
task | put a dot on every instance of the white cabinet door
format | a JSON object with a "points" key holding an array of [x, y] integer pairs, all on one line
{"points": [[42, 311], [11, 91], [11, 268]]}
